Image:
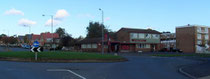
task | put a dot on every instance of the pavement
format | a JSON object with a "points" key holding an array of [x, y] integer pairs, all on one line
{"points": [[138, 67], [198, 71]]}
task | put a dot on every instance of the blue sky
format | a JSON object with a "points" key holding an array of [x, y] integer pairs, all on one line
{"points": [[161, 15]]}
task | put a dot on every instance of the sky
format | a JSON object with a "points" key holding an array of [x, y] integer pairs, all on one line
{"points": [[16, 16]]}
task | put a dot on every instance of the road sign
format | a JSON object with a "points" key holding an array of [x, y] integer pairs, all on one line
{"points": [[36, 49], [36, 44]]}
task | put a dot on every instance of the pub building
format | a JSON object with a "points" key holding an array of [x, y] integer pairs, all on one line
{"points": [[127, 40]]}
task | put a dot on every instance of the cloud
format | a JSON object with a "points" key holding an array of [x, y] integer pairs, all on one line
{"points": [[55, 22], [14, 12], [58, 17], [107, 19], [85, 15], [26, 22], [61, 14]]}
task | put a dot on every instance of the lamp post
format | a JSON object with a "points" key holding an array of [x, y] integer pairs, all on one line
{"points": [[29, 28], [51, 28], [102, 29]]}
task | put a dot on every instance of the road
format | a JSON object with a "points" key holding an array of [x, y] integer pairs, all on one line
{"points": [[138, 67], [13, 49]]}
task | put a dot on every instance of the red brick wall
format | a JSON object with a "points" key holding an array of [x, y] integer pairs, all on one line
{"points": [[185, 39], [123, 36]]}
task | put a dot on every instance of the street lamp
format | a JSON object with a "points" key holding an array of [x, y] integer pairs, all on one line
{"points": [[51, 27], [29, 28], [102, 29]]}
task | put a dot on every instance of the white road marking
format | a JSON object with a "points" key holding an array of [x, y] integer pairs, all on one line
{"points": [[67, 71]]}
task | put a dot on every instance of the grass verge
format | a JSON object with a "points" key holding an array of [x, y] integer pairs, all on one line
{"points": [[60, 56]]}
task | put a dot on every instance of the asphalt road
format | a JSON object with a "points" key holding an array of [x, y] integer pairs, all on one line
{"points": [[138, 67], [2, 49]]}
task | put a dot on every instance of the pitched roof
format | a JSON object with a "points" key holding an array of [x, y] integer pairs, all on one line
{"points": [[34, 37], [90, 40], [134, 30], [49, 35]]}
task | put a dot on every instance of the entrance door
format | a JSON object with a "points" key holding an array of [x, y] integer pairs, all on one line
{"points": [[153, 47], [114, 47]]}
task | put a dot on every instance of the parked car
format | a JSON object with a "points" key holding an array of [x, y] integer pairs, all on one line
{"points": [[164, 50], [177, 50], [171, 50]]}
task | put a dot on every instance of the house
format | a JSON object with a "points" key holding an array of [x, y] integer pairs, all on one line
{"points": [[45, 39], [193, 38]]}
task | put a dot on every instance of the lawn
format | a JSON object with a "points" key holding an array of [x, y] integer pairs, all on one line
{"points": [[178, 55], [60, 55]]}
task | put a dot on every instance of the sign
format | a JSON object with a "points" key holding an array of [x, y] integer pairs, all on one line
{"points": [[36, 49], [36, 44], [138, 40]]}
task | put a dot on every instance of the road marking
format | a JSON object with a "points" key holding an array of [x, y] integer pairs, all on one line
{"points": [[187, 74], [67, 71], [207, 77]]}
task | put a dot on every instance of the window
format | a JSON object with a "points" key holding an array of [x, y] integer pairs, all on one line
{"points": [[134, 35], [94, 45], [199, 42], [148, 35], [206, 30], [84, 46], [141, 45], [88, 45], [155, 36], [198, 36], [198, 29], [141, 35], [148, 46], [206, 37], [49, 39]]}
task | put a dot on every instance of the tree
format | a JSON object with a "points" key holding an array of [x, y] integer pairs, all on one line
{"points": [[94, 30], [2, 35], [9, 40], [61, 32], [112, 35], [79, 38], [67, 41]]}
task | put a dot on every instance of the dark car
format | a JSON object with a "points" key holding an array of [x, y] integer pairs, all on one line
{"points": [[176, 50]]}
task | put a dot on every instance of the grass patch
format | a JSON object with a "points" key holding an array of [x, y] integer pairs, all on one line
{"points": [[60, 55], [181, 55]]}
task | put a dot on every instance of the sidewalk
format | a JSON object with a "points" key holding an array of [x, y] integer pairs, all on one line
{"points": [[198, 71]]}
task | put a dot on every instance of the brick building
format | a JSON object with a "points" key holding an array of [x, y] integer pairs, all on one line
{"points": [[168, 40], [193, 38], [128, 40], [134, 40], [92, 45], [45, 39]]}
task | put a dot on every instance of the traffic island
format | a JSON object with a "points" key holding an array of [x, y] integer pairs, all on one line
{"points": [[76, 57]]}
